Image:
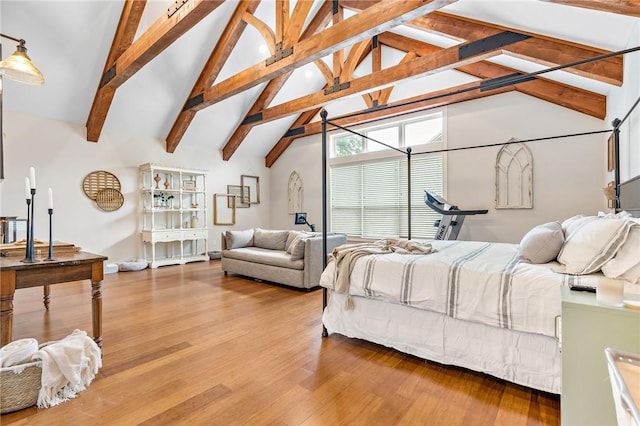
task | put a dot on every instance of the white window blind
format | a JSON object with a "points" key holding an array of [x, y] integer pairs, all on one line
{"points": [[369, 199]]}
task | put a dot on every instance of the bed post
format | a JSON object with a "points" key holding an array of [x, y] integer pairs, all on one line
{"points": [[408, 193], [616, 162], [323, 114]]}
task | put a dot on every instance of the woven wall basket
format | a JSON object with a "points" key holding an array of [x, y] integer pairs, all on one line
{"points": [[19, 390]]}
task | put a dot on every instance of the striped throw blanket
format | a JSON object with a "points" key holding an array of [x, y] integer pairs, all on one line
{"points": [[474, 281]]}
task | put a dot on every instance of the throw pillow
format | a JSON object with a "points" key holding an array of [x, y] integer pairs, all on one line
{"points": [[270, 239], [590, 242], [626, 260], [296, 249], [541, 244], [292, 236], [238, 239]]}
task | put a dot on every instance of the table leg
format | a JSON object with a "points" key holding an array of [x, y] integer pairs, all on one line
{"points": [[46, 298], [97, 275], [7, 290]]}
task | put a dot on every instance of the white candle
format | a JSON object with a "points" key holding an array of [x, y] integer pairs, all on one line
{"points": [[27, 188], [32, 172], [51, 198]]}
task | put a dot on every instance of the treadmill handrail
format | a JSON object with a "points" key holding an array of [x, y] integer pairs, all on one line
{"points": [[433, 202]]}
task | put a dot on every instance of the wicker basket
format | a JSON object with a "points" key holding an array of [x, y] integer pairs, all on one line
{"points": [[19, 390]]}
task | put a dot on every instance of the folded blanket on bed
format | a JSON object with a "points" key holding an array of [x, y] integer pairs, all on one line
{"points": [[68, 367], [346, 255]]}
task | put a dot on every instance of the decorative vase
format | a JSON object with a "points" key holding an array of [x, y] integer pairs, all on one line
{"points": [[166, 183], [157, 179], [194, 221]]}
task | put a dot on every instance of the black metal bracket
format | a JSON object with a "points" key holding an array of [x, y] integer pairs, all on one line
{"points": [[176, 6], [279, 54], [252, 118], [108, 76], [487, 44], [337, 86], [294, 132], [191, 102]]}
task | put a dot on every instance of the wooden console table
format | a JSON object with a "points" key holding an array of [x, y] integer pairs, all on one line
{"points": [[15, 274]]}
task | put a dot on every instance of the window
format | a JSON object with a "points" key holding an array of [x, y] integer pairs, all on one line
{"points": [[369, 199], [368, 181], [424, 130]]}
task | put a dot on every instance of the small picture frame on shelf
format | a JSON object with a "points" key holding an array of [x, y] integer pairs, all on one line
{"points": [[189, 185]]}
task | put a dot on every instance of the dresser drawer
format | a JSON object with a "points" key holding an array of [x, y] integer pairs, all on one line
{"points": [[160, 236], [194, 234]]}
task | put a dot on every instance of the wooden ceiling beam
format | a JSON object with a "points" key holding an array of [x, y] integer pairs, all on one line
{"points": [[164, 31], [580, 100], [416, 103], [621, 7], [122, 40], [373, 20], [570, 97], [576, 99], [545, 51], [319, 21], [421, 66], [282, 145], [219, 55]]}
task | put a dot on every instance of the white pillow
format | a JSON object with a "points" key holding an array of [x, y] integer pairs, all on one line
{"points": [[239, 239], [590, 242], [626, 263], [541, 244]]}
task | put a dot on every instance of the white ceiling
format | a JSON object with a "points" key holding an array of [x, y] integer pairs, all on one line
{"points": [[69, 42]]}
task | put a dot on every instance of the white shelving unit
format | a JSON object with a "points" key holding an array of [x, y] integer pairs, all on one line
{"points": [[174, 213]]}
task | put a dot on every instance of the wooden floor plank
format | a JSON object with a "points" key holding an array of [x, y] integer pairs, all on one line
{"points": [[187, 345]]}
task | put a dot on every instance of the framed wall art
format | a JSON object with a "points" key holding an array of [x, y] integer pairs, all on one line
{"points": [[243, 196], [253, 182], [222, 213]]}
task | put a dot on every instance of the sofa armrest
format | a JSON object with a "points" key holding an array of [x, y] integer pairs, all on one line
{"points": [[313, 260], [223, 241]]}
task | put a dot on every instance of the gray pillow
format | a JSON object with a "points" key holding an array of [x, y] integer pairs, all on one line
{"points": [[292, 236], [296, 248], [542, 244], [269, 239], [238, 239]]}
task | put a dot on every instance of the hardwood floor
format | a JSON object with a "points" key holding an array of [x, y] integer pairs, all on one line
{"points": [[186, 345]]}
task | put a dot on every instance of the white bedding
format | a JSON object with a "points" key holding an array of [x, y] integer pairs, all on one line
{"points": [[472, 281], [527, 359]]}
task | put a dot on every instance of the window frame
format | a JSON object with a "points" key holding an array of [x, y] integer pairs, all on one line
{"points": [[389, 154]]}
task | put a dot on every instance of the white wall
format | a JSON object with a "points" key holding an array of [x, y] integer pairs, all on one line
{"points": [[619, 102], [62, 158], [568, 177]]}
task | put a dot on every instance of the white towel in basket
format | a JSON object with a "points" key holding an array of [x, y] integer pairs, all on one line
{"points": [[18, 352], [68, 367]]}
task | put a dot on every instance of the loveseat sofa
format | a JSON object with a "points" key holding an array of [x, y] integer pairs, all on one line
{"points": [[292, 258]]}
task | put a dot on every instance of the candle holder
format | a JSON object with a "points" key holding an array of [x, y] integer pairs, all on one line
{"points": [[30, 250], [28, 239], [50, 258]]}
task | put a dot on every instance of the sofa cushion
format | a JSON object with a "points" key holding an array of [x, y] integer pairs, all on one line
{"points": [[270, 239], [237, 239], [296, 248], [292, 236], [264, 256]]}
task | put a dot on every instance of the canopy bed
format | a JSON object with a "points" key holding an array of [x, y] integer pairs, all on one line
{"points": [[490, 307]]}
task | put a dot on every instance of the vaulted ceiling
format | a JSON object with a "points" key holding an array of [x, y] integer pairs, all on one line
{"points": [[274, 64]]}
